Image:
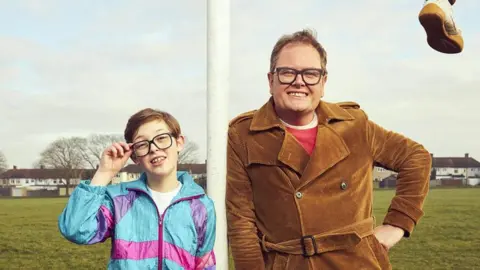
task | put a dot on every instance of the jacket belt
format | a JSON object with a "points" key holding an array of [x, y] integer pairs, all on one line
{"points": [[309, 245]]}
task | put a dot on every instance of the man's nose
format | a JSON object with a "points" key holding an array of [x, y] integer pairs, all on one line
{"points": [[298, 81]]}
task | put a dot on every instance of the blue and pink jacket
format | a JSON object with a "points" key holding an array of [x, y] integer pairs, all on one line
{"points": [[181, 238]]}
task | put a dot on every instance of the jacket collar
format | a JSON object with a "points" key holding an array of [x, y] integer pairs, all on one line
{"points": [[189, 187], [266, 117]]}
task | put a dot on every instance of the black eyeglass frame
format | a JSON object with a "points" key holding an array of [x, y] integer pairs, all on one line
{"points": [[152, 141], [302, 72]]}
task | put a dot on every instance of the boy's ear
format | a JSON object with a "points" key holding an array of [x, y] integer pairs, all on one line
{"points": [[180, 142]]}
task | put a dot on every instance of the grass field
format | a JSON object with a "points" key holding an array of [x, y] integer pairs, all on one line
{"points": [[447, 237]]}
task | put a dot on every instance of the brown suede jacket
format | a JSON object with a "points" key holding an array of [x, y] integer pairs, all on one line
{"points": [[289, 210]]}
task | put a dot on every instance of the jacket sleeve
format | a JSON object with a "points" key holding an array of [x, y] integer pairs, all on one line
{"points": [[205, 257], [242, 230], [413, 164], [88, 217]]}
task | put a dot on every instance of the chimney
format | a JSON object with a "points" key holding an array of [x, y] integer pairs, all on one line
{"points": [[42, 167], [14, 167], [466, 155]]}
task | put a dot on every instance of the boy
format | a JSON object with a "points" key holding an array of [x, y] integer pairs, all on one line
{"points": [[163, 220]]}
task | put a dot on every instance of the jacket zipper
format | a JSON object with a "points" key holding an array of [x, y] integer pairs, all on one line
{"points": [[160, 221]]}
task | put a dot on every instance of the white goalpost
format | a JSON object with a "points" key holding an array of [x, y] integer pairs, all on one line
{"points": [[218, 77]]}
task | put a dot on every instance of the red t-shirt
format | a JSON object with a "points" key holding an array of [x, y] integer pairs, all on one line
{"points": [[306, 137]]}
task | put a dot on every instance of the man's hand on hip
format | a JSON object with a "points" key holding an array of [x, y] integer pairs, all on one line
{"points": [[388, 235]]}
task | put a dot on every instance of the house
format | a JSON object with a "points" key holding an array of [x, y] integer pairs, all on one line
{"points": [[456, 171], [380, 173], [41, 182], [456, 167], [42, 177], [128, 173], [446, 171], [388, 182]]}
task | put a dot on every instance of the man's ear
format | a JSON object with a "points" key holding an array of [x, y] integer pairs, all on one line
{"points": [[180, 142], [270, 81], [325, 77]]}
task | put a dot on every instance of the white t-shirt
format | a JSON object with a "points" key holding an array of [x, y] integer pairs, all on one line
{"points": [[163, 199], [310, 125]]}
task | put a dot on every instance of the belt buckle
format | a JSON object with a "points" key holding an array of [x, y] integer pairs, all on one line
{"points": [[304, 248]]}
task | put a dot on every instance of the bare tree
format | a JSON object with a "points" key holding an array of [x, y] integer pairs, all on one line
{"points": [[78, 152], [95, 145], [66, 154], [37, 164], [3, 163], [189, 154]]}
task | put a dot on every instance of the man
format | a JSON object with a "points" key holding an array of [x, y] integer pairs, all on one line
{"points": [[436, 17], [299, 179]]}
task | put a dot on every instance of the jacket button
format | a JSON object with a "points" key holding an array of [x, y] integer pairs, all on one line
{"points": [[299, 195], [343, 185]]}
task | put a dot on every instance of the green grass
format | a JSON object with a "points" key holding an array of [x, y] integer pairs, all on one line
{"points": [[447, 237]]}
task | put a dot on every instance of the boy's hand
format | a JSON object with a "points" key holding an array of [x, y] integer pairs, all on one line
{"points": [[112, 161]]}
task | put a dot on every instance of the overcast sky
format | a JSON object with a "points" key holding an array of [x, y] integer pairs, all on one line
{"points": [[84, 67]]}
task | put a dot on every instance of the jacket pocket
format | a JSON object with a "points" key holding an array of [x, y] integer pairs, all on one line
{"points": [[381, 254]]}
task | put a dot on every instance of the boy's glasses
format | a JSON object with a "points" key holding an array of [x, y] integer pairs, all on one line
{"points": [[161, 141]]}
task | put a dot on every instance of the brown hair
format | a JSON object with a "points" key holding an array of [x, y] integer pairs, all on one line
{"points": [[148, 115], [305, 36]]}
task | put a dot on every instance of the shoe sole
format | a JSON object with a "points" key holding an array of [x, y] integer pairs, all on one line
{"points": [[432, 19]]}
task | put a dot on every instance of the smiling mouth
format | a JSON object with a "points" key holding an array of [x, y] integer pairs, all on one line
{"points": [[297, 94], [157, 160]]}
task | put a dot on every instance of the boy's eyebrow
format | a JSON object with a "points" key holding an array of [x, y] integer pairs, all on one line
{"points": [[142, 137]]}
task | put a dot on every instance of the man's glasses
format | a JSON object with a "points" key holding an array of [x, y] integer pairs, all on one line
{"points": [[310, 76], [161, 141]]}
